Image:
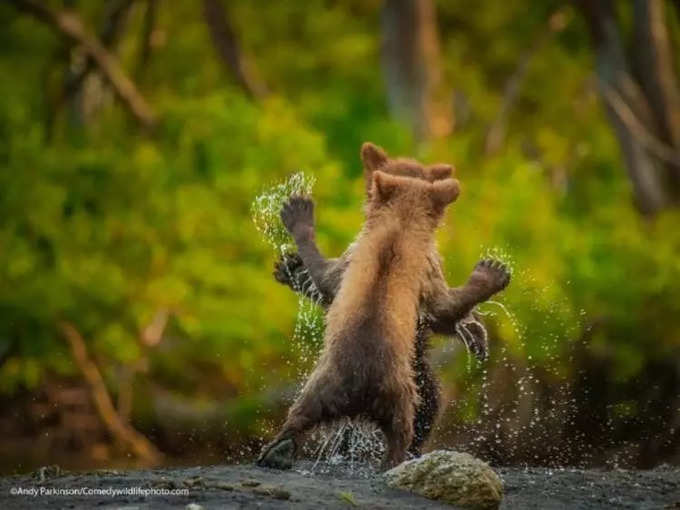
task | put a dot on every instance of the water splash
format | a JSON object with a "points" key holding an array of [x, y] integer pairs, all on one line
{"points": [[499, 253], [521, 406], [265, 211], [354, 446], [266, 208]]}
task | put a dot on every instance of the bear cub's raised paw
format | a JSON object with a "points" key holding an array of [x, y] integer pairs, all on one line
{"points": [[286, 267], [491, 273], [297, 216]]}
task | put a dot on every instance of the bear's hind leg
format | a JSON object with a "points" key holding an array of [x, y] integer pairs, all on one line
{"points": [[398, 432], [321, 401], [278, 454], [303, 415], [428, 408]]}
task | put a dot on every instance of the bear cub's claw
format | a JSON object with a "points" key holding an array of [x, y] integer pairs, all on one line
{"points": [[286, 267], [476, 337], [493, 273], [278, 455], [297, 215]]}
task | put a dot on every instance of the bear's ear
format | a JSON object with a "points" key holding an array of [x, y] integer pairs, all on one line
{"points": [[444, 192], [384, 185], [372, 156], [440, 171]]}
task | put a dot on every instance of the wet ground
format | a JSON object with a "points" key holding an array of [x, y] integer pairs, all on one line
{"points": [[245, 486]]}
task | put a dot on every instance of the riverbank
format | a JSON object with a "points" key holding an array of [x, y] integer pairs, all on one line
{"points": [[246, 486]]}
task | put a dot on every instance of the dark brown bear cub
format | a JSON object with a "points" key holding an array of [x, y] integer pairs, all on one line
{"points": [[365, 368]]}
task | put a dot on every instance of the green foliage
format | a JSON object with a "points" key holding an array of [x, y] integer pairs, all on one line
{"points": [[347, 497]]}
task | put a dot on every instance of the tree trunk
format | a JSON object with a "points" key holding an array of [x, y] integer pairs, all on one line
{"points": [[495, 136], [613, 74], [412, 67], [85, 89], [146, 42], [118, 428], [70, 26], [654, 64], [227, 46]]}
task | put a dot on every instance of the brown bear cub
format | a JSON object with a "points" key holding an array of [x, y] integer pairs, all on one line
{"points": [[440, 308], [365, 367]]}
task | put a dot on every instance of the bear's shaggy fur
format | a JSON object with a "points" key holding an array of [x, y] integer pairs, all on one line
{"points": [[365, 369], [440, 307]]}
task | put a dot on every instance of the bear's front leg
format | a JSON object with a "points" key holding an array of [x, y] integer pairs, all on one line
{"points": [[297, 216], [289, 269], [489, 277], [447, 309]]}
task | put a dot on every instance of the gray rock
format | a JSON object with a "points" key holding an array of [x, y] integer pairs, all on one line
{"points": [[451, 477]]}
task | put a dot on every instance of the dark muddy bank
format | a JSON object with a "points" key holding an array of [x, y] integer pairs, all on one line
{"points": [[245, 486]]}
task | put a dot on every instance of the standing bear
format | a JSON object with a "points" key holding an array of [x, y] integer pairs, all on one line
{"points": [[440, 309], [365, 367]]}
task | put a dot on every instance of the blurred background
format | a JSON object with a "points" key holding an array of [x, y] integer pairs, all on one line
{"points": [[139, 321]]}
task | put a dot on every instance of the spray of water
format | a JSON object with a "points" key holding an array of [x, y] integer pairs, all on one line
{"points": [[525, 408], [266, 208], [265, 212]]}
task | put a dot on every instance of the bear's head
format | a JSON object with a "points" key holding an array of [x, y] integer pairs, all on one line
{"points": [[413, 202], [374, 158]]}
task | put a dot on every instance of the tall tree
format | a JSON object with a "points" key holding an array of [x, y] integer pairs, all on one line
{"points": [[653, 59], [68, 24], [641, 96], [412, 67], [229, 49]]}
